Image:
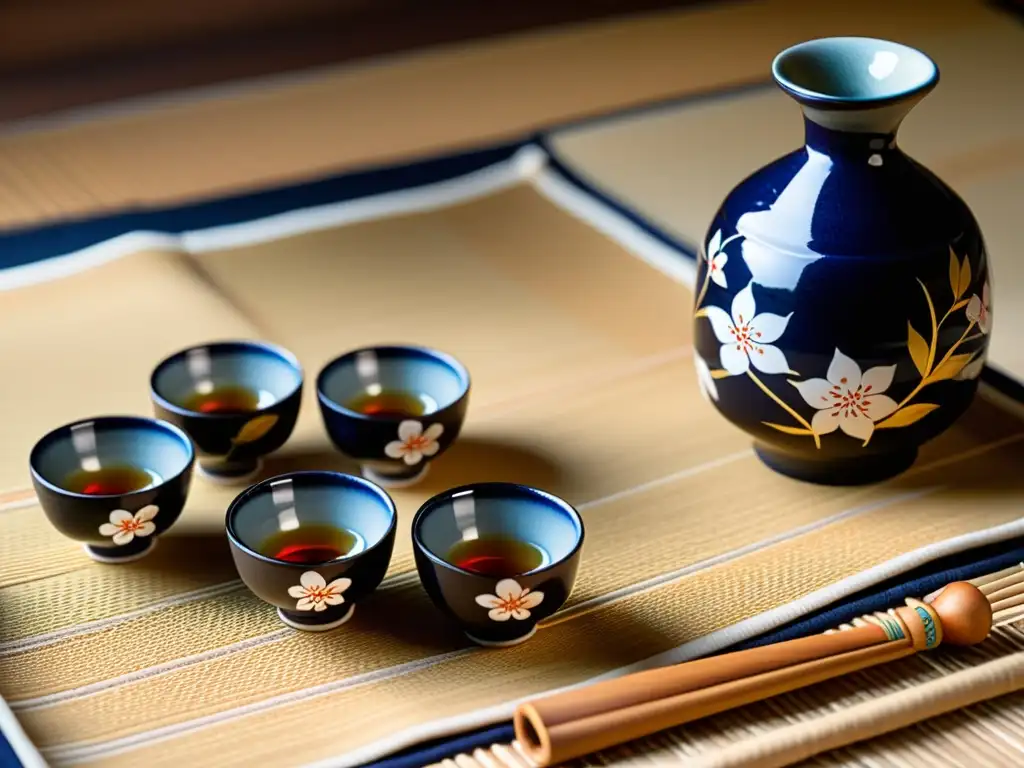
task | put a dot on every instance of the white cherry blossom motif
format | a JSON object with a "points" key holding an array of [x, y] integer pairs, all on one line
{"points": [[708, 388], [510, 601], [414, 442], [848, 400], [747, 338], [315, 594], [979, 310], [717, 259], [124, 526]]}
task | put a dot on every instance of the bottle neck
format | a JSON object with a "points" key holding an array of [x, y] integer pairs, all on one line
{"points": [[861, 131], [870, 148]]}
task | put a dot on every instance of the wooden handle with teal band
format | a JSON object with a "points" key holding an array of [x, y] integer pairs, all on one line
{"points": [[564, 726]]}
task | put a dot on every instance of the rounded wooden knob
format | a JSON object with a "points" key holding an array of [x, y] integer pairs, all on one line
{"points": [[965, 613]]}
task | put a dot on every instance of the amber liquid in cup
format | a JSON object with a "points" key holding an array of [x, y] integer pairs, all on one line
{"points": [[394, 403], [109, 481], [310, 544], [496, 556], [226, 399]]}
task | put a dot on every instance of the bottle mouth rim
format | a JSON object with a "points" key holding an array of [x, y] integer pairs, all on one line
{"points": [[853, 72]]}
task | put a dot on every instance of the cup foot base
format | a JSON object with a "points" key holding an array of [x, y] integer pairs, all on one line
{"points": [[315, 622], [394, 481], [117, 555], [873, 468], [502, 643], [233, 474]]}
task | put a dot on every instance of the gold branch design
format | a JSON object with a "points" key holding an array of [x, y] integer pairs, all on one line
{"points": [[800, 419], [947, 367]]}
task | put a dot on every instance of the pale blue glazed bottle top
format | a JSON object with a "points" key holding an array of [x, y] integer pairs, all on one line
{"points": [[852, 72]]}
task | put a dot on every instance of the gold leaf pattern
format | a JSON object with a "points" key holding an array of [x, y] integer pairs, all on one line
{"points": [[255, 429], [918, 349], [954, 274], [965, 278], [907, 416], [788, 430], [950, 368]]}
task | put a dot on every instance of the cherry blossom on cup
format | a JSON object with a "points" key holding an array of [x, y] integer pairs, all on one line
{"points": [[124, 526], [849, 400], [746, 337], [315, 594], [510, 601], [414, 442]]}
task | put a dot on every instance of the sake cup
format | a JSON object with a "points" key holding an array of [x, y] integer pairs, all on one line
{"points": [[114, 483], [492, 606], [237, 400], [282, 533], [393, 409]]}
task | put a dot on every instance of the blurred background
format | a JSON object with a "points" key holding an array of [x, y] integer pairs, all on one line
{"points": [[62, 54]]}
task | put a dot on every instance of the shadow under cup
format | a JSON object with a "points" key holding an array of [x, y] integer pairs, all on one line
{"points": [[312, 544], [393, 446], [495, 608]]}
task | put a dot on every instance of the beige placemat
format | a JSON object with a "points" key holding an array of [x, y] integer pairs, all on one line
{"points": [[583, 385]]}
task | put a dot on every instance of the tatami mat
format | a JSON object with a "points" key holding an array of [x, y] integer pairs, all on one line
{"points": [[592, 398], [582, 384], [985, 734]]}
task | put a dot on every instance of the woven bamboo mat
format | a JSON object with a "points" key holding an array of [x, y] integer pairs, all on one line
{"points": [[583, 385], [985, 734]]}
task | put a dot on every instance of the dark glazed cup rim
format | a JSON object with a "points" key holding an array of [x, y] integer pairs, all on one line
{"points": [[497, 488], [111, 421], [339, 479], [450, 360], [265, 346]]}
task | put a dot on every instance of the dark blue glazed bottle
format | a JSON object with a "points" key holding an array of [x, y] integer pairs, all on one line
{"points": [[842, 310]]}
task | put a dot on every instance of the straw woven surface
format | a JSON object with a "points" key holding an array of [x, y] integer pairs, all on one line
{"points": [[583, 385], [580, 387], [984, 734]]}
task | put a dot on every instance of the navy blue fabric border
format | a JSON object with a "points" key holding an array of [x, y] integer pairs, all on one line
{"points": [[24, 246], [7, 757], [31, 244], [436, 751], [556, 164], [1003, 382], [917, 583]]}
